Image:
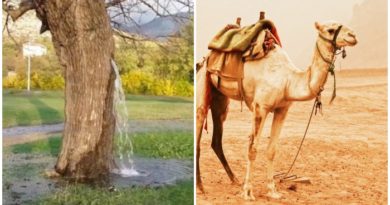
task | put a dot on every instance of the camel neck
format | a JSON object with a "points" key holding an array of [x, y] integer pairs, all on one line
{"points": [[307, 85], [318, 71]]}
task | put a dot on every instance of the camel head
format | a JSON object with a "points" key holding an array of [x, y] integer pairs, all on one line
{"points": [[328, 30]]}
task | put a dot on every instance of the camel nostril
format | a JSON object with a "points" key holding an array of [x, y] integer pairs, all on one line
{"points": [[352, 35]]}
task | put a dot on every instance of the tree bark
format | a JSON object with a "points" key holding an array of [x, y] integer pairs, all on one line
{"points": [[83, 40]]}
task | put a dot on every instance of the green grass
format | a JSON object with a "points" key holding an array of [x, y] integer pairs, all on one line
{"points": [[34, 109], [50, 146], [161, 145], [177, 145], [82, 194], [47, 107], [164, 144]]}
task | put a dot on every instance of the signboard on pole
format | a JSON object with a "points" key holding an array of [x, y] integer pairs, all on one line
{"points": [[31, 50]]}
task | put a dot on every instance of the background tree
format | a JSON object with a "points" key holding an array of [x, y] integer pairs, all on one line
{"points": [[82, 36]]}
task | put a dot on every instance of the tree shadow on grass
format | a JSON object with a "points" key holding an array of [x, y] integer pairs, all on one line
{"points": [[50, 146], [22, 118], [48, 114], [45, 112]]}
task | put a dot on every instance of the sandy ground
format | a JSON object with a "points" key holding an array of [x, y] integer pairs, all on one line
{"points": [[344, 155], [23, 134]]}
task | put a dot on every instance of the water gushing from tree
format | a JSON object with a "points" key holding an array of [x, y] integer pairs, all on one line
{"points": [[123, 147]]}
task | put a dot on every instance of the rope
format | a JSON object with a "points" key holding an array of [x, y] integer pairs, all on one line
{"points": [[316, 105], [334, 88]]}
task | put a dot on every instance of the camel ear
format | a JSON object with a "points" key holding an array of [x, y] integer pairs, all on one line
{"points": [[317, 25]]}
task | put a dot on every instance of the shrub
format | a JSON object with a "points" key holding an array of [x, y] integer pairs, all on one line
{"points": [[38, 81], [184, 88], [140, 82]]}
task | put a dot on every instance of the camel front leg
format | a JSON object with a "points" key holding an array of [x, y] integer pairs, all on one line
{"points": [[259, 115], [277, 124], [201, 113], [202, 106]]}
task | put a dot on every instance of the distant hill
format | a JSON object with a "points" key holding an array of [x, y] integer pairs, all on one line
{"points": [[160, 27], [369, 21], [27, 27]]}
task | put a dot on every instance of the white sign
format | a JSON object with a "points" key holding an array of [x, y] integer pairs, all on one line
{"points": [[33, 49]]}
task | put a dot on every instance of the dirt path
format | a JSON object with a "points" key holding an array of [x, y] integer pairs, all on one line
{"points": [[345, 154], [22, 134]]}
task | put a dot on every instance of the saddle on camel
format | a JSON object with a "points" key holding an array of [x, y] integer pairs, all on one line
{"points": [[234, 45]]}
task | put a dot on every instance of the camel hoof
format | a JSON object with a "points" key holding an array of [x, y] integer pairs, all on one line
{"points": [[274, 195], [235, 181], [200, 189], [248, 195]]}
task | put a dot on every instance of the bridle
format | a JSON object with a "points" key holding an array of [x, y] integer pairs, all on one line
{"points": [[333, 41], [331, 62]]}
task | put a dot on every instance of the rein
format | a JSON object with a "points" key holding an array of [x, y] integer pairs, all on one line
{"points": [[317, 106], [331, 61]]}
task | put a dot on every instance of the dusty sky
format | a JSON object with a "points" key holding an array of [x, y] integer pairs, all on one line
{"points": [[294, 20]]}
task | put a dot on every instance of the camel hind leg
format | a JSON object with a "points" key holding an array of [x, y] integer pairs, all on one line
{"points": [[219, 109]]}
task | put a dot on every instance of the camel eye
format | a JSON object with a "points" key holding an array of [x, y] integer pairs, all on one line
{"points": [[331, 31]]}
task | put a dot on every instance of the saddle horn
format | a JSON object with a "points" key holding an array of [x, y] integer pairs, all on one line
{"points": [[238, 21], [262, 15]]}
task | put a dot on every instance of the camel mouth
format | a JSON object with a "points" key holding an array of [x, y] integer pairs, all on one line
{"points": [[352, 43]]}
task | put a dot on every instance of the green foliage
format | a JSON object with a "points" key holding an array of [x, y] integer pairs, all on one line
{"points": [[46, 72], [139, 82], [44, 82], [38, 81], [17, 82], [182, 193], [185, 88], [151, 68]]}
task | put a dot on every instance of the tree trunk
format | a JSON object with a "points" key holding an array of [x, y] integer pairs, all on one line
{"points": [[82, 37]]}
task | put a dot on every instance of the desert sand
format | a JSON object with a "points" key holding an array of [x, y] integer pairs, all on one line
{"points": [[344, 154]]}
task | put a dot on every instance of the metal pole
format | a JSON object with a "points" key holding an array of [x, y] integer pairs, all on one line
{"points": [[28, 72]]}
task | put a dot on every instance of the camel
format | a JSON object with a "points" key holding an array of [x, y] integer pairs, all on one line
{"points": [[271, 84]]}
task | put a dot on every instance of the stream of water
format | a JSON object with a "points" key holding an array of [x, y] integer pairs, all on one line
{"points": [[123, 147]]}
